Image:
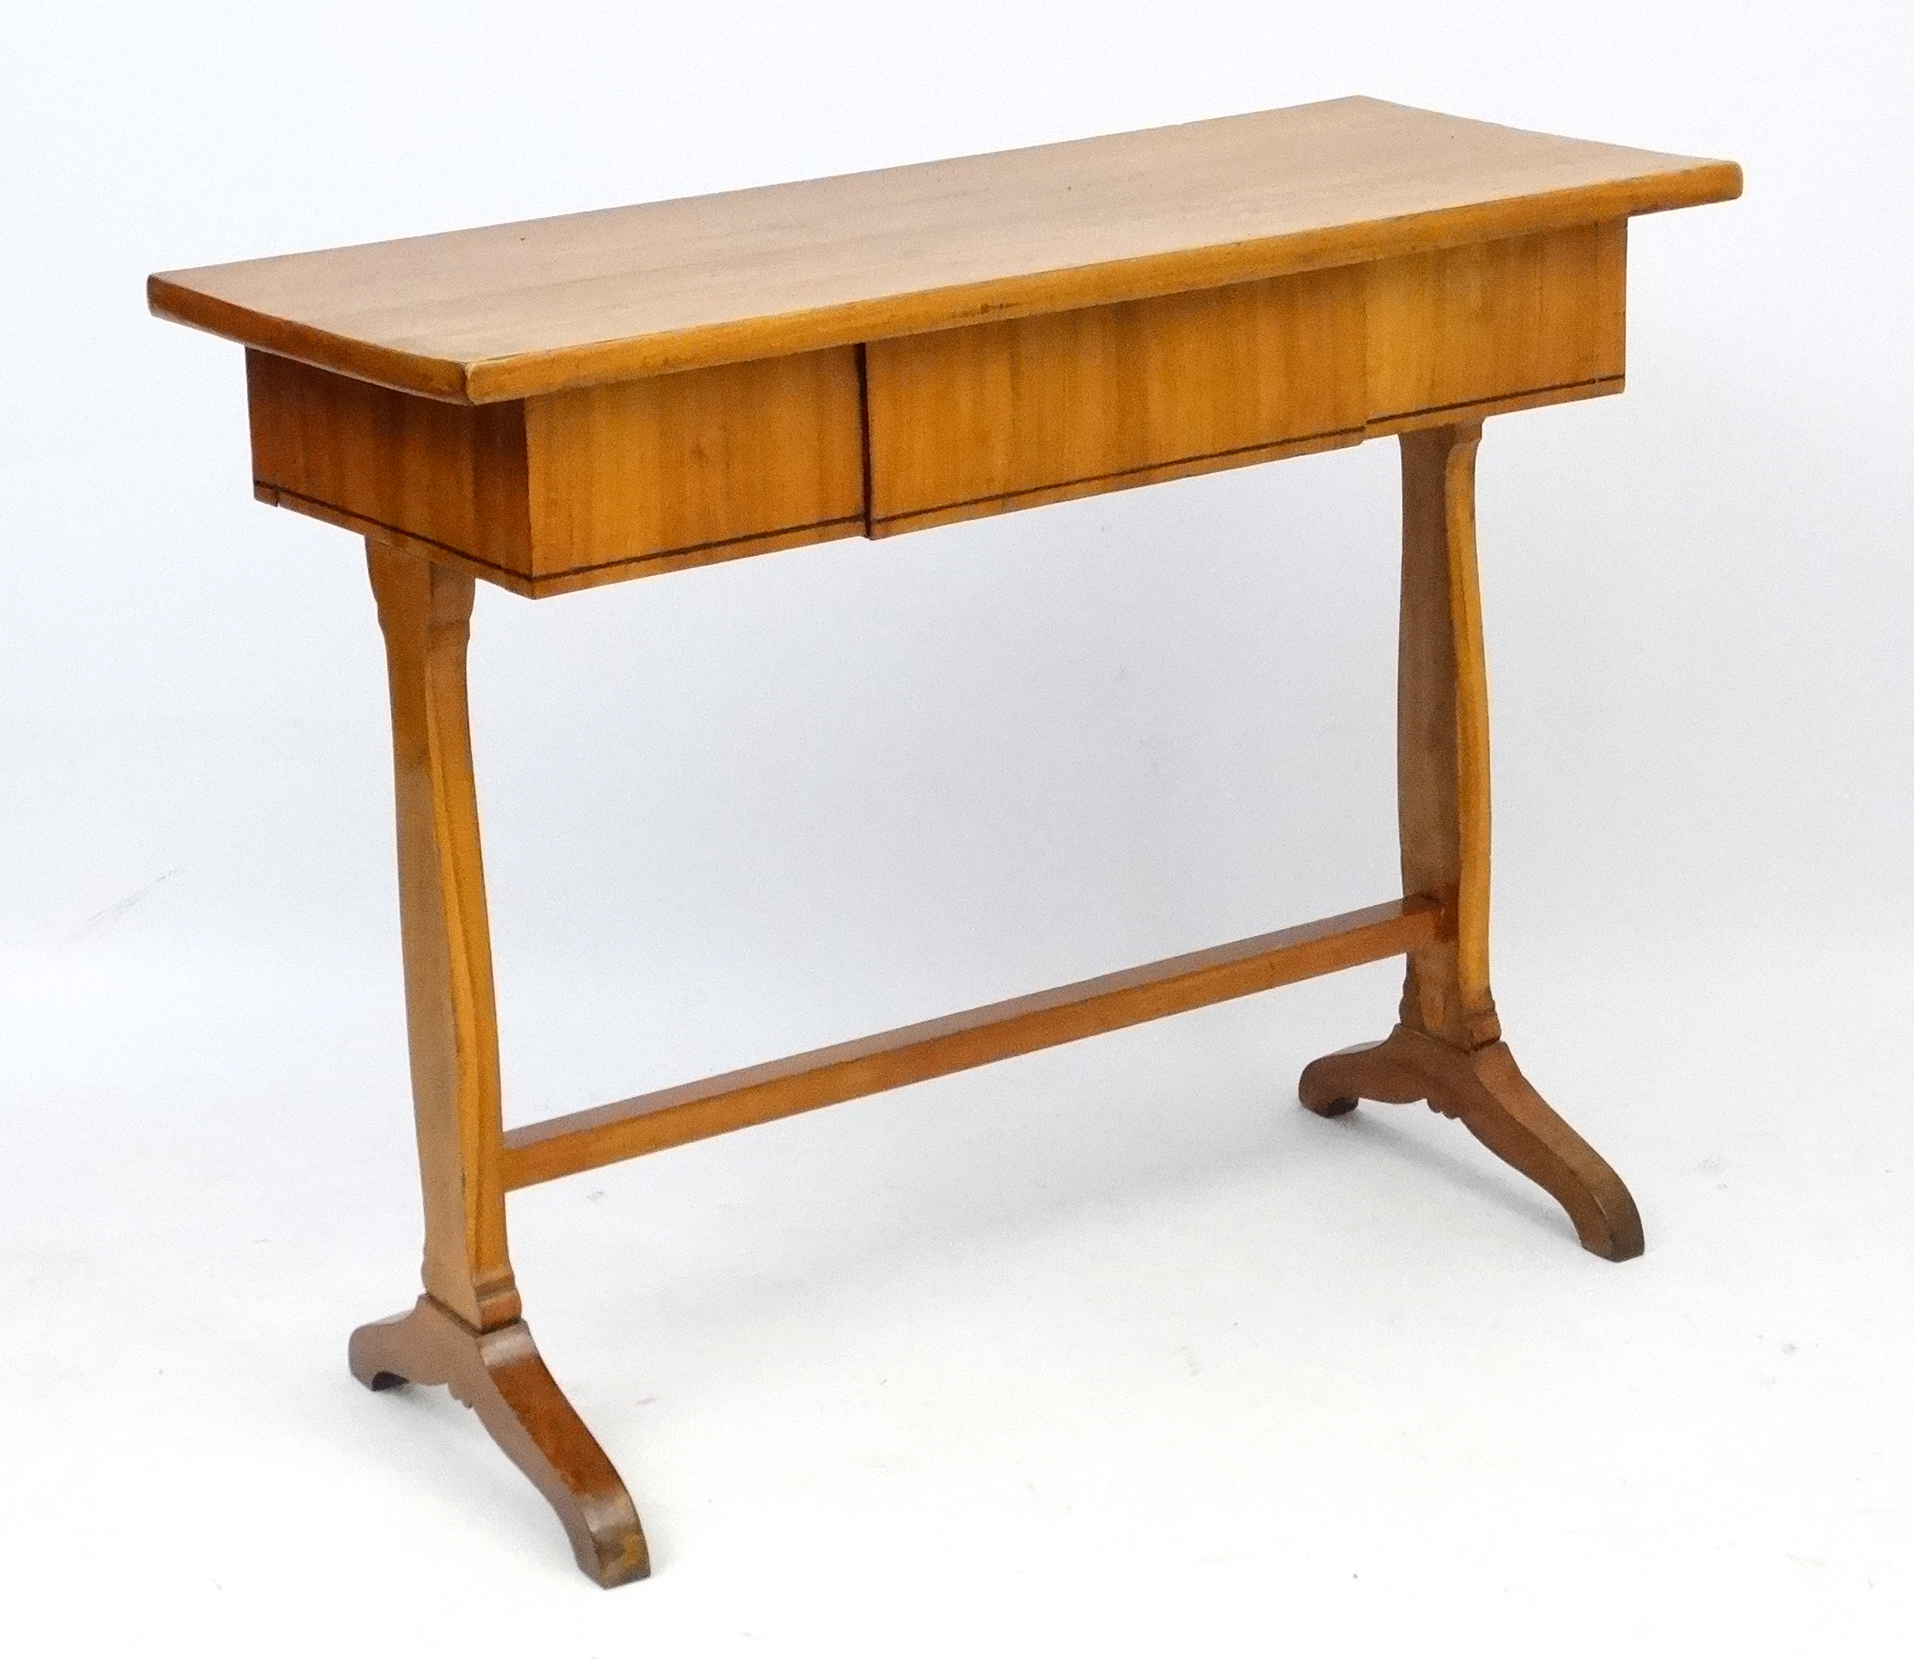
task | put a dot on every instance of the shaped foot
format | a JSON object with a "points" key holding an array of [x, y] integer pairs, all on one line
{"points": [[1493, 1100], [499, 1375]]}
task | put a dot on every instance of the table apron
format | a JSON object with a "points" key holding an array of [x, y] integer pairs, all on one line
{"points": [[548, 494]]}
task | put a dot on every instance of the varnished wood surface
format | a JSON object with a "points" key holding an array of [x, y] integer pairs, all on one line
{"points": [[514, 311], [577, 400], [450, 1015], [445, 476], [602, 483], [969, 421], [1465, 326], [725, 459], [566, 491], [976, 416], [935, 1048], [1447, 1048], [499, 1374], [1442, 734], [1485, 1089]]}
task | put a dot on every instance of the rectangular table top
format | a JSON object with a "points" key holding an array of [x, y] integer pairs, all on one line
{"points": [[518, 310]]}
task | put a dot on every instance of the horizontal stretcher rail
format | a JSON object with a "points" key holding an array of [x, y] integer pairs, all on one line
{"points": [[823, 1077]]}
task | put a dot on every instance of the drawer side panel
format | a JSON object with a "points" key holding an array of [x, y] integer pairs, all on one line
{"points": [[448, 475]]}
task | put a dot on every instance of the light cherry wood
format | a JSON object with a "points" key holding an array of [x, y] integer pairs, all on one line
{"points": [[441, 475], [977, 420], [1495, 280], [722, 461], [499, 1374], [570, 490], [451, 1020], [573, 401], [1493, 320], [1447, 1047], [466, 1331], [978, 417], [603, 483], [512, 311], [956, 1042], [1442, 733], [1486, 1091]]}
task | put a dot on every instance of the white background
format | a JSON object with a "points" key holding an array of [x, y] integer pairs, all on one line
{"points": [[1109, 1350]]}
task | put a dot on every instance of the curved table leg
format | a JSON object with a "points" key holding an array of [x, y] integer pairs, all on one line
{"points": [[499, 1374], [1485, 1090], [1448, 1049], [467, 1331]]}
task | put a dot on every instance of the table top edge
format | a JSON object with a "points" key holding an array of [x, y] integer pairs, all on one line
{"points": [[1690, 181]]}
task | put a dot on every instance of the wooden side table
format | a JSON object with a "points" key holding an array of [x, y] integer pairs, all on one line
{"points": [[574, 401]]}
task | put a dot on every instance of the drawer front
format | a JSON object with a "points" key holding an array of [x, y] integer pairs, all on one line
{"points": [[1496, 320], [684, 468], [578, 487], [976, 420]]}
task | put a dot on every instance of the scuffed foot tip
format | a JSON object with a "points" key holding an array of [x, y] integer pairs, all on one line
{"points": [[1340, 1106]]}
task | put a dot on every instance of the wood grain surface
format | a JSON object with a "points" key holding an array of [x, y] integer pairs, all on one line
{"points": [[513, 311], [575, 400], [602, 483], [1485, 1090], [1447, 1046], [1448, 330], [451, 1015], [576, 488], [977, 417], [956, 1042], [1442, 735], [996, 416], [501, 1376]]}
